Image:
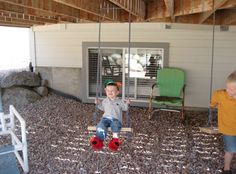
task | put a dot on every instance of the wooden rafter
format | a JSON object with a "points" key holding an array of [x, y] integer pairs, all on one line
{"points": [[186, 7], [10, 24], [157, 11], [190, 19], [135, 7], [229, 4], [170, 9], [43, 12], [216, 4], [12, 11], [227, 17], [93, 7], [30, 18], [42, 8], [23, 22]]}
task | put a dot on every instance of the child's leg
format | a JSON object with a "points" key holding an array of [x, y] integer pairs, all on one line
{"points": [[228, 159], [115, 143], [101, 131], [115, 128], [230, 149], [115, 135]]}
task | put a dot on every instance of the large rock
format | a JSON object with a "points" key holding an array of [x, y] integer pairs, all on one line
{"points": [[19, 96], [42, 90], [24, 78]]}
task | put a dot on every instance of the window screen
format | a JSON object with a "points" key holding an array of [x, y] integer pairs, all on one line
{"points": [[144, 64], [111, 68]]}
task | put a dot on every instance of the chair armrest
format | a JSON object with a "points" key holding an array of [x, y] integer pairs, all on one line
{"points": [[155, 84]]}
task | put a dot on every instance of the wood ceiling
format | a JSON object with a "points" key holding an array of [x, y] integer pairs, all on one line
{"points": [[27, 13]]}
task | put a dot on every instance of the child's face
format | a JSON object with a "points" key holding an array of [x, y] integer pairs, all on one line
{"points": [[111, 92], [231, 89]]}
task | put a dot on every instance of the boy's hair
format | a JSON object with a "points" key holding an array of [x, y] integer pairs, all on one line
{"points": [[112, 84], [231, 77]]}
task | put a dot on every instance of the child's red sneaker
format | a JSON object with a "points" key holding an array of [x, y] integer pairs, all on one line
{"points": [[114, 144], [96, 143]]}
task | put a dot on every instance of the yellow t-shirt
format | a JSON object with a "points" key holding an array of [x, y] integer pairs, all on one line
{"points": [[226, 111]]}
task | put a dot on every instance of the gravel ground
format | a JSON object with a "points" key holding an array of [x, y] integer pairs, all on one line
{"points": [[58, 142]]}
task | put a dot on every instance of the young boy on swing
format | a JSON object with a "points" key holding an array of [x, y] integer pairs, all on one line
{"points": [[112, 107], [225, 100]]}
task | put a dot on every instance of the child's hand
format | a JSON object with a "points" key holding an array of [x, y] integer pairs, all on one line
{"points": [[127, 101], [97, 101]]}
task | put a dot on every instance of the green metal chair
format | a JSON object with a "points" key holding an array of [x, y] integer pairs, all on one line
{"points": [[170, 87]]}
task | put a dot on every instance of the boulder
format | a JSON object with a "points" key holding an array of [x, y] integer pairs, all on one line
{"points": [[24, 78], [44, 82], [19, 96], [42, 90]]}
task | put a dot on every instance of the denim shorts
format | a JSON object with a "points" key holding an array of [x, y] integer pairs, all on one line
{"points": [[229, 143]]}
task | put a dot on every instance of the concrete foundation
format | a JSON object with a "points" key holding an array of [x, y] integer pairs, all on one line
{"points": [[65, 80]]}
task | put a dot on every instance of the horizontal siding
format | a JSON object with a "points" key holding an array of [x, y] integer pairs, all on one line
{"points": [[190, 49]]}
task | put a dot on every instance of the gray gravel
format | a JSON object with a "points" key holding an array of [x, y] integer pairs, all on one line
{"points": [[58, 142]]}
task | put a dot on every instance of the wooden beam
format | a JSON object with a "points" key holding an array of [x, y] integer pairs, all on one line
{"points": [[8, 20], [189, 19], [227, 17], [93, 7], [11, 8], [216, 5], [159, 13], [156, 10], [7, 24], [31, 18], [135, 7], [170, 8], [88, 17], [162, 8], [40, 12], [42, 8], [229, 4], [222, 17], [186, 7]]}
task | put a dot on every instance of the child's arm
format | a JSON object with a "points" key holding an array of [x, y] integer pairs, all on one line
{"points": [[99, 104], [214, 100], [125, 104], [127, 101], [97, 101]]}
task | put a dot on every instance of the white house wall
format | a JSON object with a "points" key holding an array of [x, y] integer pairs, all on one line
{"points": [[190, 48]]}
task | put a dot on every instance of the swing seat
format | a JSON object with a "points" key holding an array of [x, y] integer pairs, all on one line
{"points": [[209, 130], [123, 129], [170, 84]]}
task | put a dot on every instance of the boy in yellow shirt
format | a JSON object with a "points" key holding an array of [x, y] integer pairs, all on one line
{"points": [[225, 101]]}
